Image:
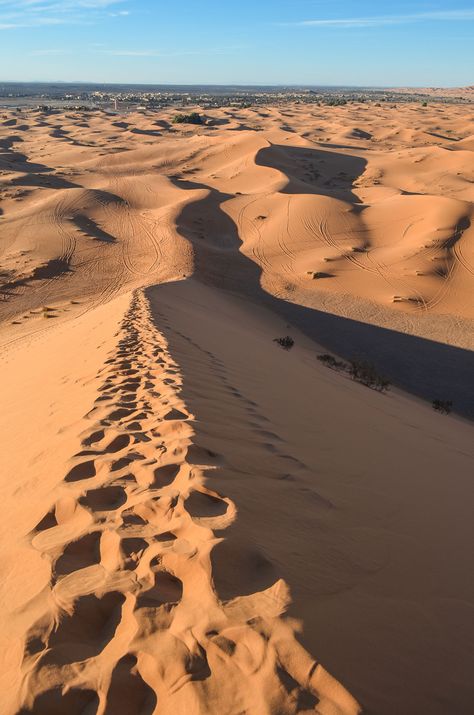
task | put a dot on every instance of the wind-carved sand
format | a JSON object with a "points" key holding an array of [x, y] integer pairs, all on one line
{"points": [[364, 211], [361, 212], [196, 521], [131, 616]]}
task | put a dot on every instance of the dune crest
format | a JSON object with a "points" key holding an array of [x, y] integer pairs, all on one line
{"points": [[363, 210], [131, 621], [193, 515]]}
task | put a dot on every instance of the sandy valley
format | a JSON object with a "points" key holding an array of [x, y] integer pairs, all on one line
{"points": [[196, 520]]}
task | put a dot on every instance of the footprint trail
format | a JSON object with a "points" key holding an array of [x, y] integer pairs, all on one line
{"points": [[131, 622]]}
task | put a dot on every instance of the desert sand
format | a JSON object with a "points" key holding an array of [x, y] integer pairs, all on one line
{"points": [[195, 520], [463, 93]]}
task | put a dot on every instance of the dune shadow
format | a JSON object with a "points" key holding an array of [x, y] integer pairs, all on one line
{"points": [[58, 133], [242, 128], [44, 180], [426, 368], [162, 123], [146, 132], [8, 142], [442, 136], [53, 268], [89, 227], [34, 174], [75, 701], [217, 122], [307, 171], [329, 145]]}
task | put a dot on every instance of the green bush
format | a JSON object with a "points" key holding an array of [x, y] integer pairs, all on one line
{"points": [[335, 102], [193, 118]]}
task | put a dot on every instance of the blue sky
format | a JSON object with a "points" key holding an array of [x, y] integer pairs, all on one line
{"points": [[337, 42]]}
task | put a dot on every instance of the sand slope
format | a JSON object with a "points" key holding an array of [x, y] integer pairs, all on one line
{"points": [[361, 212], [196, 520], [118, 610], [363, 201], [353, 497]]}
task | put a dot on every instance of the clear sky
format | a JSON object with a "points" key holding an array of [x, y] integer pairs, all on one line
{"points": [[332, 42]]}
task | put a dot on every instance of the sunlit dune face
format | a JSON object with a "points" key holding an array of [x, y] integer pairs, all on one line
{"points": [[372, 201], [209, 494]]}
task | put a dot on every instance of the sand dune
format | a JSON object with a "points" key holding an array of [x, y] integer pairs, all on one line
{"points": [[197, 521], [376, 201]]}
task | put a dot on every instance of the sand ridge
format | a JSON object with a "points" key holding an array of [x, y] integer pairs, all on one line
{"points": [[131, 616], [200, 520], [363, 210]]}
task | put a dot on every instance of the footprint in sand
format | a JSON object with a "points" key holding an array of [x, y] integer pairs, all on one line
{"points": [[83, 470], [131, 553]]}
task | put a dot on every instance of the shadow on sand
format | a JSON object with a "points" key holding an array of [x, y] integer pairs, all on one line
{"points": [[312, 171], [426, 368]]}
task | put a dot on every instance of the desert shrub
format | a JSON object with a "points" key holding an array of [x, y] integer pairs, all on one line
{"points": [[193, 118], [335, 101], [382, 384], [443, 406], [330, 361], [365, 373], [360, 371], [286, 343]]}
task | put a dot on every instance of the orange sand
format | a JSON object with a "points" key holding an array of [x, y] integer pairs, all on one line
{"points": [[194, 520]]}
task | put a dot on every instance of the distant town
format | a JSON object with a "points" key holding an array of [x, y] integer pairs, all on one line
{"points": [[152, 97]]}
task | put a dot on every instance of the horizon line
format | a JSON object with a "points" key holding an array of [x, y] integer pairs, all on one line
{"points": [[290, 85]]}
